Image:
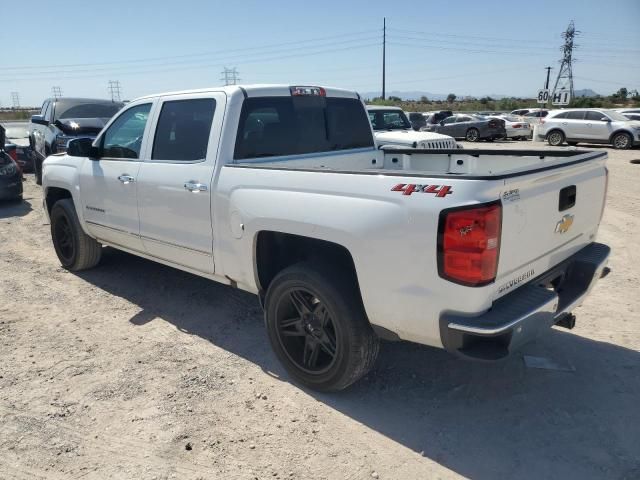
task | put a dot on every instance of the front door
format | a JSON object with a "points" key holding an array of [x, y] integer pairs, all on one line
{"points": [[597, 128], [108, 184], [174, 185]]}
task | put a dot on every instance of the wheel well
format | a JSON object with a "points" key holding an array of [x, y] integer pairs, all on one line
{"points": [[620, 131], [275, 251], [555, 130], [54, 194]]}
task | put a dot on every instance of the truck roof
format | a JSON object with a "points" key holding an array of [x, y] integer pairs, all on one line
{"points": [[382, 107], [260, 90]]}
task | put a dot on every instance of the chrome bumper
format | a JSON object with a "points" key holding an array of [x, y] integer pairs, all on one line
{"points": [[522, 315]]}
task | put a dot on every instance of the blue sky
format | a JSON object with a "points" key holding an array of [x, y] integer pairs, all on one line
{"points": [[465, 47]]}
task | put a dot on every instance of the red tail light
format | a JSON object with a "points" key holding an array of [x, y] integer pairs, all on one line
{"points": [[493, 123], [469, 244], [13, 154], [517, 125]]}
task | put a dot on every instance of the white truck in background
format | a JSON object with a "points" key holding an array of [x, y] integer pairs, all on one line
{"points": [[282, 191]]}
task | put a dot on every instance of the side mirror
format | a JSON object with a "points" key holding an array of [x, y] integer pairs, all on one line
{"points": [[39, 119], [80, 147], [605, 119]]}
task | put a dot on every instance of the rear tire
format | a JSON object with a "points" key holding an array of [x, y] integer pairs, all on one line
{"points": [[622, 141], [75, 249], [472, 135], [555, 138], [318, 328]]}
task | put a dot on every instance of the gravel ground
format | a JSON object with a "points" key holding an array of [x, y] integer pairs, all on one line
{"points": [[136, 370]]}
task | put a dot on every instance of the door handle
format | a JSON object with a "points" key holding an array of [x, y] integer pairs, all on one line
{"points": [[565, 123], [195, 187], [126, 179]]}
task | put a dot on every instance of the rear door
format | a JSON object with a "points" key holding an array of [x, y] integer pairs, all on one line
{"points": [[575, 126], [174, 185]]}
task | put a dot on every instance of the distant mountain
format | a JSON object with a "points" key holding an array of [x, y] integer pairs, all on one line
{"points": [[585, 92], [415, 95]]}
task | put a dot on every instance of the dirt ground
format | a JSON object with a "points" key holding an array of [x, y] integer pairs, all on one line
{"points": [[139, 371]]}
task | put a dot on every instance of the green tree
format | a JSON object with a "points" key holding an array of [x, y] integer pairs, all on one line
{"points": [[451, 97], [424, 99]]}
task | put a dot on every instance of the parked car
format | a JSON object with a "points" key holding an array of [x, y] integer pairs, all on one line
{"points": [[63, 119], [17, 136], [632, 116], [391, 127], [535, 114], [515, 127], [590, 125], [523, 111], [628, 110], [282, 192], [471, 127], [418, 120], [436, 117], [10, 174]]}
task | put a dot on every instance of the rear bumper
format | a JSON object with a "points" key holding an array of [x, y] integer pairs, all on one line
{"points": [[11, 188], [522, 315]]}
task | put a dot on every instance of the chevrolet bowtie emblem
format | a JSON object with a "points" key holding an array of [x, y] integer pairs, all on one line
{"points": [[564, 225]]}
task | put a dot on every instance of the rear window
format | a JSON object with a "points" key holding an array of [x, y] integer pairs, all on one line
{"points": [[276, 126], [577, 115]]}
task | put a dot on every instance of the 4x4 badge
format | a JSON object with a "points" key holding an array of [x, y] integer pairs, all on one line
{"points": [[564, 225]]}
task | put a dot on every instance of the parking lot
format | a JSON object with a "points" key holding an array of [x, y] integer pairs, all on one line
{"points": [[137, 370]]}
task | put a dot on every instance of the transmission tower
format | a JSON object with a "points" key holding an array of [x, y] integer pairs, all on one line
{"points": [[15, 98], [115, 90], [56, 92], [564, 80], [230, 76]]}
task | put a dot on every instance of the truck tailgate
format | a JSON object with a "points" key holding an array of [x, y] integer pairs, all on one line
{"points": [[546, 217]]}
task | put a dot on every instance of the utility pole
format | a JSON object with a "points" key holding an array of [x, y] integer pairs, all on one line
{"points": [[56, 92], [230, 76], [115, 90], [564, 80], [15, 99], [546, 84], [384, 55]]}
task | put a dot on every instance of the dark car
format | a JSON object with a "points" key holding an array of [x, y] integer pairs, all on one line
{"points": [[62, 120], [433, 118], [10, 174], [418, 120], [471, 127], [18, 145]]}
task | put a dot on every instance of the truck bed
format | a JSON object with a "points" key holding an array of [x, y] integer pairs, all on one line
{"points": [[476, 164]]}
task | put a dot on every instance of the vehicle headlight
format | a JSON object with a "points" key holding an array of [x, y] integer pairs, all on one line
{"points": [[62, 142], [9, 169]]}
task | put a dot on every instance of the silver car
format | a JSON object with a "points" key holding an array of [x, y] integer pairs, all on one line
{"points": [[590, 125]]}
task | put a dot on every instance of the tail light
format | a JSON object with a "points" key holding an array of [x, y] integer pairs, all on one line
{"points": [[517, 125], [493, 123], [469, 244], [13, 153]]}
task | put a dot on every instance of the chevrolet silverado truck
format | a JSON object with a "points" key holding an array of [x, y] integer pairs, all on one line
{"points": [[281, 191], [63, 119]]}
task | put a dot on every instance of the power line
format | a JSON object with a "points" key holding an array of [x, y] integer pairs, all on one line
{"points": [[56, 92], [15, 99], [114, 90], [298, 44], [230, 76]]}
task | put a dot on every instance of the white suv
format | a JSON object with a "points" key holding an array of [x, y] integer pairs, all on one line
{"points": [[590, 125]]}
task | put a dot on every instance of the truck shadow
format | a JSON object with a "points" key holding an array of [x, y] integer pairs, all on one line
{"points": [[14, 208], [483, 421]]}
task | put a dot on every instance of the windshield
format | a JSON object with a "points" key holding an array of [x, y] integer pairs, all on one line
{"points": [[618, 117], [85, 109], [17, 132], [389, 120]]}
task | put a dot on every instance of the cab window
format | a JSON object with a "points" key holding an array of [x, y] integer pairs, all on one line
{"points": [[123, 139], [183, 130], [595, 116]]}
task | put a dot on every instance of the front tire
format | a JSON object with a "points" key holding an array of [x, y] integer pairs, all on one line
{"points": [[472, 135], [318, 328], [75, 249], [555, 138], [622, 141]]}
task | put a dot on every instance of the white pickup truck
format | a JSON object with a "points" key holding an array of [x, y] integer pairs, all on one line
{"points": [[282, 192]]}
